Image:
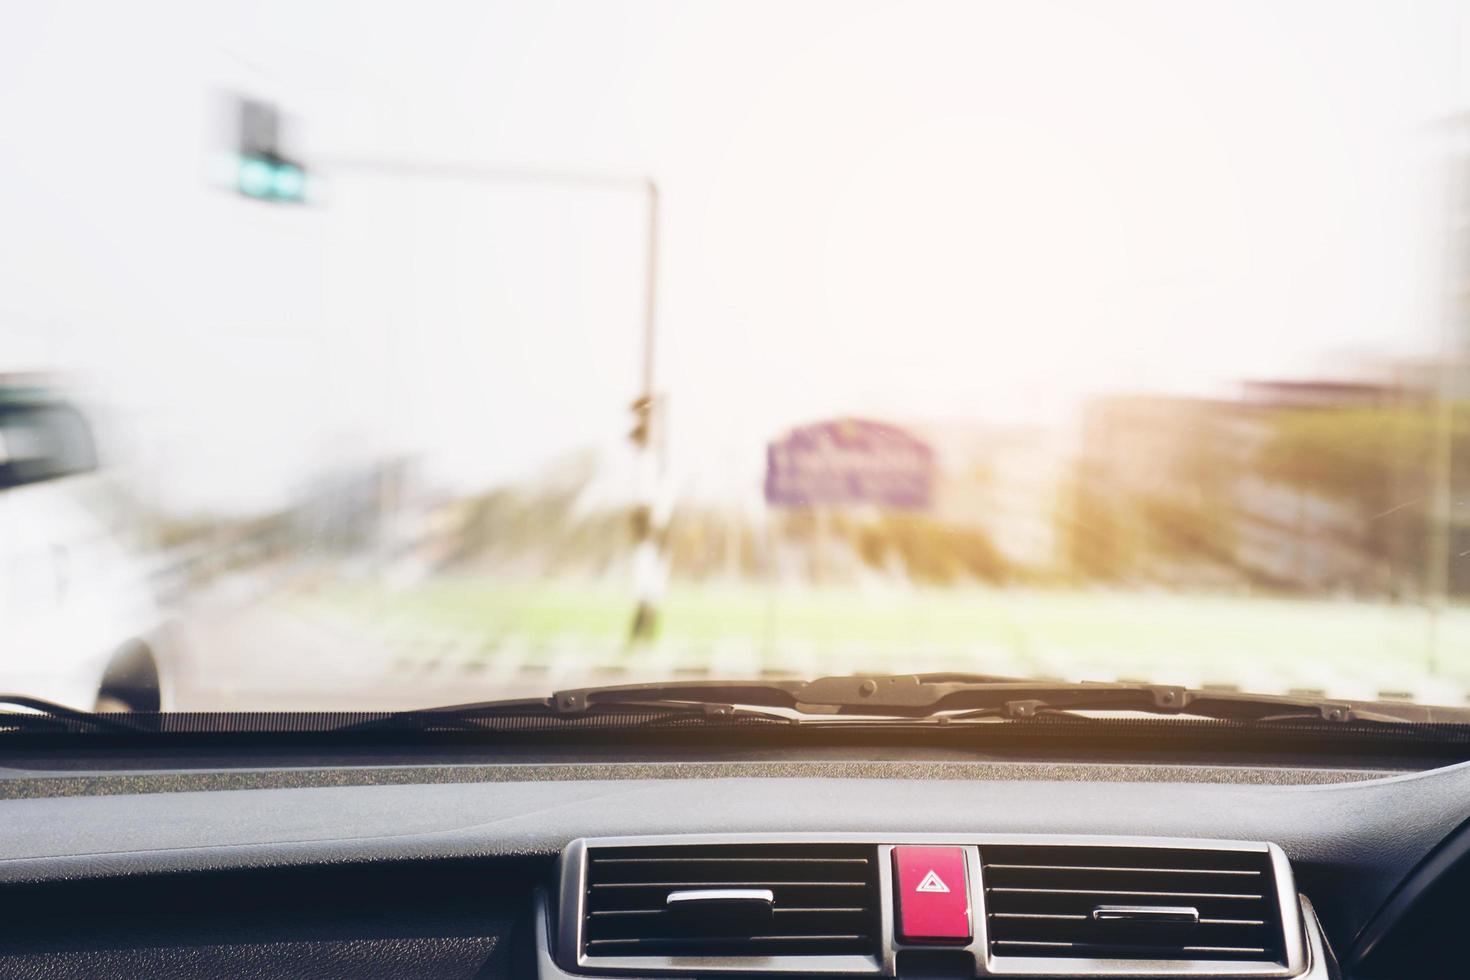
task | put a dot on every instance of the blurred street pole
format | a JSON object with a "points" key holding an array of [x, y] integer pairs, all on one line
{"points": [[1454, 342], [649, 572], [649, 561]]}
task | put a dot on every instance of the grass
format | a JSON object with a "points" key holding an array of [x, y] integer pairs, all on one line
{"points": [[1159, 636]]}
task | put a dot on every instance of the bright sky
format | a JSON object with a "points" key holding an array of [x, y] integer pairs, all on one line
{"points": [[903, 210]]}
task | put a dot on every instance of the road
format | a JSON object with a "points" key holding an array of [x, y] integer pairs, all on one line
{"points": [[315, 651]]}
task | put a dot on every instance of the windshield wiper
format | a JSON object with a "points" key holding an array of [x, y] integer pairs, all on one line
{"points": [[38, 714], [943, 699], [936, 697], [645, 705]]}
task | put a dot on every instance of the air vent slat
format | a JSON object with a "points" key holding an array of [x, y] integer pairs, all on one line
{"points": [[1124, 893], [854, 910], [1130, 902], [1076, 868], [1110, 950], [675, 861], [747, 882], [645, 941], [825, 900]]}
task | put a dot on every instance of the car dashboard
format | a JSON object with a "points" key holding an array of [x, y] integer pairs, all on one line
{"points": [[710, 865]]}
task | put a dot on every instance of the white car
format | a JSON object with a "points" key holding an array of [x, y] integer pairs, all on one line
{"points": [[78, 621]]}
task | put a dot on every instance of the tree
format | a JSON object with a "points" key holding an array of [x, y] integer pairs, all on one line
{"points": [[1375, 463]]}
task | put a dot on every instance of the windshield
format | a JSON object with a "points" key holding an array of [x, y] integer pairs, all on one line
{"points": [[366, 356]]}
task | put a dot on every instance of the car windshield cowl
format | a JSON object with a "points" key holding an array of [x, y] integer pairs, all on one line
{"points": [[911, 702]]}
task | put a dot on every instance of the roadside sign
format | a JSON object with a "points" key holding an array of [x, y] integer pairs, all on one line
{"points": [[850, 462]]}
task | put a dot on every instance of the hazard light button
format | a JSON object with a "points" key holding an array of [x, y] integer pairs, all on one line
{"points": [[933, 894]]}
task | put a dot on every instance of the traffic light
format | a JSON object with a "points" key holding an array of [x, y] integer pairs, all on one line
{"points": [[270, 179], [262, 172], [642, 420]]}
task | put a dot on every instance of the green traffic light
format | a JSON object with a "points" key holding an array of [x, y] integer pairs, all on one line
{"points": [[288, 182], [256, 177], [270, 180]]}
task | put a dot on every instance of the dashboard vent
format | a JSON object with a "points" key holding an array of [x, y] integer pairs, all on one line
{"points": [[1131, 903], [824, 900]]}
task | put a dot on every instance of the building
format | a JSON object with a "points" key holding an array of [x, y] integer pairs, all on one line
{"points": [[1205, 492], [1005, 480]]}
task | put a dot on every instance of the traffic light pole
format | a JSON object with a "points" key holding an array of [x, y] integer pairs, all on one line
{"points": [[1454, 341], [649, 569]]}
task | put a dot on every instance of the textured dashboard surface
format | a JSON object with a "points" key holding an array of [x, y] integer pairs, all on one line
{"points": [[460, 958], [439, 920], [102, 783], [1351, 842]]}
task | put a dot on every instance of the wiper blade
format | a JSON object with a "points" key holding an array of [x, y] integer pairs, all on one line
{"points": [[644, 704], [40, 714], [547, 714], [883, 698], [860, 700], [962, 696]]}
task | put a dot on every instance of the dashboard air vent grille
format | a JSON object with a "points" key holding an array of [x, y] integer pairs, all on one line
{"points": [[1131, 903], [824, 900]]}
